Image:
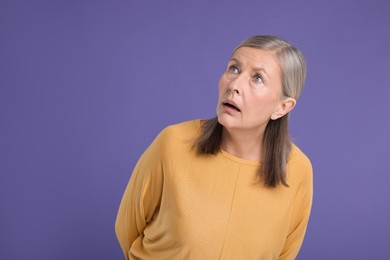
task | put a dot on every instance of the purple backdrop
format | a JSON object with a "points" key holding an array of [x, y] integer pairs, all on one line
{"points": [[85, 86]]}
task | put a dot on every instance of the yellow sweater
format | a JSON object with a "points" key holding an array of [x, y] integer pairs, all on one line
{"points": [[179, 205]]}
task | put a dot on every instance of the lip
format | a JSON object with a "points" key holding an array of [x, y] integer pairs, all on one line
{"points": [[230, 108]]}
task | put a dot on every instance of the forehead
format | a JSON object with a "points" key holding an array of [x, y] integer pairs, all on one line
{"points": [[256, 57]]}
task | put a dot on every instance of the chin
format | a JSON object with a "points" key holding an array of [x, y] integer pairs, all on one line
{"points": [[226, 121]]}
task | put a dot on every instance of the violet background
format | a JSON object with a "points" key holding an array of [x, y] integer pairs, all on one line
{"points": [[85, 86]]}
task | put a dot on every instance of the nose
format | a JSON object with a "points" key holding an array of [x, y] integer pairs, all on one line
{"points": [[235, 85], [233, 90]]}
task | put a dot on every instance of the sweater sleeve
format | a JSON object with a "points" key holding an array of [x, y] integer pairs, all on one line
{"points": [[141, 198], [300, 215]]}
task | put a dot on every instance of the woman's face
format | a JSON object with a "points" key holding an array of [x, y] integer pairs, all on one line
{"points": [[250, 90]]}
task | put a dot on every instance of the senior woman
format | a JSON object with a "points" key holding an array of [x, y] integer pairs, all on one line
{"points": [[231, 187]]}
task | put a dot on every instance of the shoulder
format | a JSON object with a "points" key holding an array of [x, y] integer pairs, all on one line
{"points": [[178, 135], [184, 129], [299, 165], [299, 158], [181, 131]]}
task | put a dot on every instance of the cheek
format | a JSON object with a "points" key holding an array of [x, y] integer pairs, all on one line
{"points": [[222, 84], [265, 103]]}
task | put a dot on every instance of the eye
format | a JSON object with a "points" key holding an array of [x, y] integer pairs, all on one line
{"points": [[258, 78], [233, 69]]}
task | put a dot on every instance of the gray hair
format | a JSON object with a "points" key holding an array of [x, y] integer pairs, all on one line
{"points": [[290, 59]]}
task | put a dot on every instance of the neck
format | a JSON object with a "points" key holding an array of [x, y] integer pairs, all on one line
{"points": [[243, 144]]}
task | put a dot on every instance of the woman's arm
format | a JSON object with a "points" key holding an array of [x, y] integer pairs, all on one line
{"points": [[300, 215], [141, 197]]}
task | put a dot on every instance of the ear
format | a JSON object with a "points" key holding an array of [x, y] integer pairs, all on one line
{"points": [[284, 107]]}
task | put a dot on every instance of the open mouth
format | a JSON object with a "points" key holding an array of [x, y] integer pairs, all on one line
{"points": [[231, 106]]}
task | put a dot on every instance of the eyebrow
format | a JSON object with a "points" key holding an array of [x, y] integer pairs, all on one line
{"points": [[256, 69]]}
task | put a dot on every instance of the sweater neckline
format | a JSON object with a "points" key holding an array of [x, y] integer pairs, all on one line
{"points": [[239, 160], [228, 155]]}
